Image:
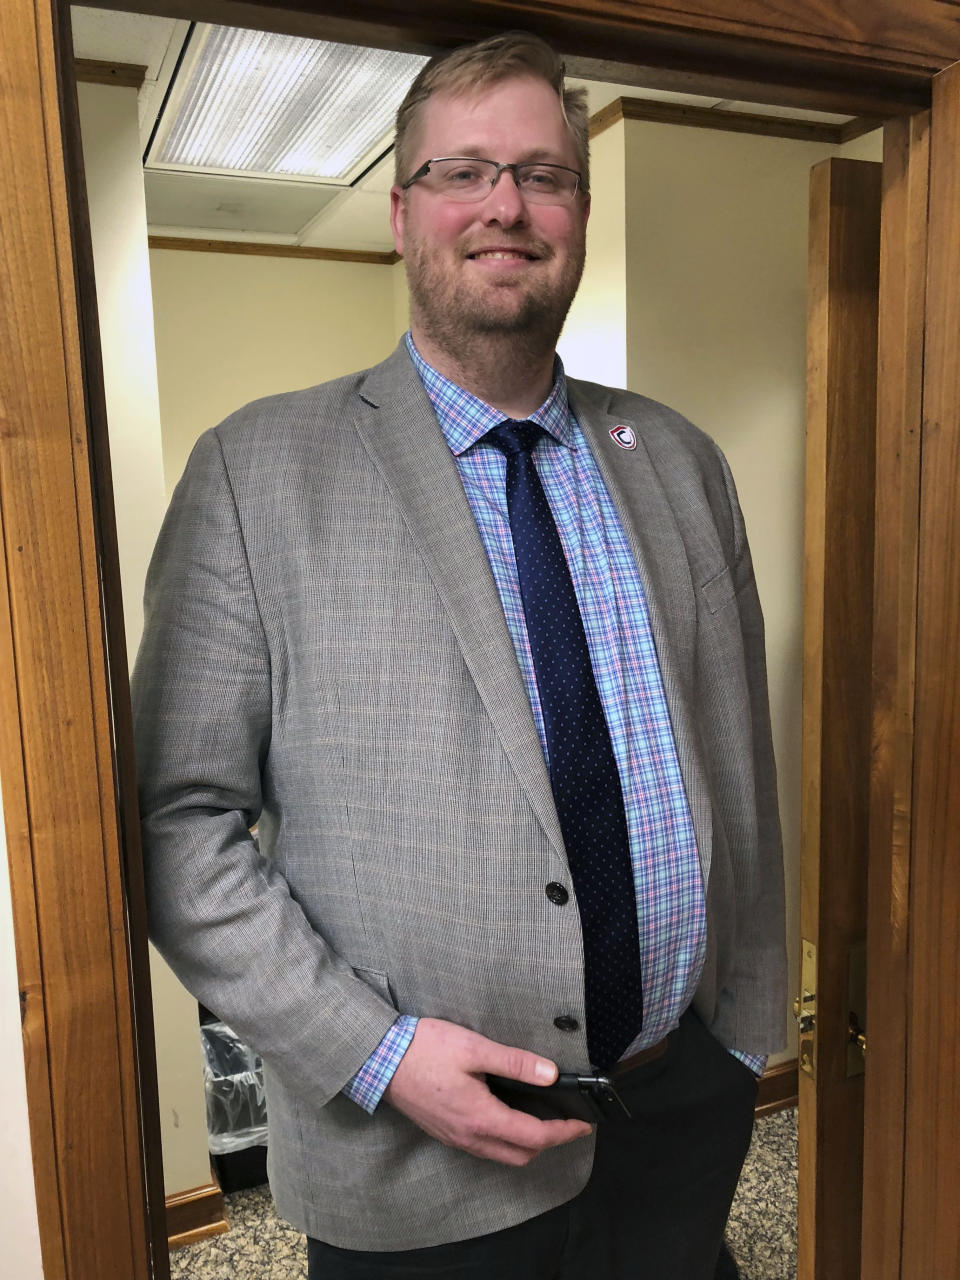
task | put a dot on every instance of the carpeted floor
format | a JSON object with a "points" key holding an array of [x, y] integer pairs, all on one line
{"points": [[762, 1233]]}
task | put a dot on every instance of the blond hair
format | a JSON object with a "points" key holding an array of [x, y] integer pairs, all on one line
{"points": [[473, 66]]}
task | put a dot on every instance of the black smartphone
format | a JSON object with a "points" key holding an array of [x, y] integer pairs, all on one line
{"points": [[571, 1097]]}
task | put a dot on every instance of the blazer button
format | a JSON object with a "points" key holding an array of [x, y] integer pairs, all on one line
{"points": [[557, 893], [566, 1023]]}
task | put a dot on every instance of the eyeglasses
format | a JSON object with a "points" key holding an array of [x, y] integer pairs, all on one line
{"points": [[468, 179]]}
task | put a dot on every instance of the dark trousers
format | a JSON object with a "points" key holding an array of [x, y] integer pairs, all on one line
{"points": [[656, 1203]]}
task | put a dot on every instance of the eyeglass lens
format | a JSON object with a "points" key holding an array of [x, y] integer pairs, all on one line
{"points": [[470, 179]]}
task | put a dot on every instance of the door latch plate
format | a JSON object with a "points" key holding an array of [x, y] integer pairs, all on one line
{"points": [[804, 1008]]}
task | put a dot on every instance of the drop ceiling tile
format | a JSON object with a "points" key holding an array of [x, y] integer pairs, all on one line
{"points": [[232, 204], [788, 113], [356, 220]]}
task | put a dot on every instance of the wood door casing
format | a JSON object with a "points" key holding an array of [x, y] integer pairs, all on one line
{"points": [[931, 1240], [871, 57], [903, 262], [82, 1076], [842, 299]]}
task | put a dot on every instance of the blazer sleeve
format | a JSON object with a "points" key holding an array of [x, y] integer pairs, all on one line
{"points": [[758, 983], [219, 912]]}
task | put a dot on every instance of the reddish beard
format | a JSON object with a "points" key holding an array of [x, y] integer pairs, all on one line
{"points": [[453, 310]]}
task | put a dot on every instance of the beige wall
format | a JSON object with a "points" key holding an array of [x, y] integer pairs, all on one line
{"points": [[231, 328], [19, 1229], [594, 340], [118, 228], [119, 232], [867, 147]]}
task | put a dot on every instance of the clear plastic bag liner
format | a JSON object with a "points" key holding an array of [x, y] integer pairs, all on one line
{"points": [[233, 1079]]}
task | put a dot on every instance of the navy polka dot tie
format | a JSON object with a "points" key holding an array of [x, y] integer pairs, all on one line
{"points": [[583, 770]]}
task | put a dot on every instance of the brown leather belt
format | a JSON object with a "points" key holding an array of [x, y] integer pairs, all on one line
{"points": [[638, 1059]]}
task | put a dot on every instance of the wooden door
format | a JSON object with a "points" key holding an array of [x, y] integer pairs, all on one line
{"points": [[837, 703]]}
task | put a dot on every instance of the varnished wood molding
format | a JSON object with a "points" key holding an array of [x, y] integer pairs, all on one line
{"points": [[256, 248], [127, 74], [865, 56], [606, 117], [727, 121], [900, 429], [195, 1215], [932, 1100], [837, 705], [778, 1088]]}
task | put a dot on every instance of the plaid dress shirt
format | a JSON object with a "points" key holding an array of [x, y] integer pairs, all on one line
{"points": [[671, 910]]}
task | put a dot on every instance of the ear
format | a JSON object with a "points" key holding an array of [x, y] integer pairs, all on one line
{"points": [[398, 211], [586, 209]]}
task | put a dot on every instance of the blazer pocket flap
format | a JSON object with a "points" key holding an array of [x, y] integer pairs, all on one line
{"points": [[379, 981], [719, 591]]}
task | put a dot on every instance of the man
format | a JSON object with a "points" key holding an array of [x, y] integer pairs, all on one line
{"points": [[479, 649]]}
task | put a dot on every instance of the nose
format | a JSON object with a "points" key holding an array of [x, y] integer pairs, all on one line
{"points": [[505, 204]]}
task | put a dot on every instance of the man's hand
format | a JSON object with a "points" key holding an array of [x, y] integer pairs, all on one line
{"points": [[440, 1086]]}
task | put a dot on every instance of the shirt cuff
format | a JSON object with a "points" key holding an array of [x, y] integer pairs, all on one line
{"points": [[756, 1062], [366, 1088]]}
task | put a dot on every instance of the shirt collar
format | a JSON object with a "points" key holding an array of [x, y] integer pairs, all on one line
{"points": [[464, 418]]}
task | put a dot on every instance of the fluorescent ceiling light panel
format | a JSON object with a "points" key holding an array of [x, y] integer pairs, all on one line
{"points": [[259, 103]]}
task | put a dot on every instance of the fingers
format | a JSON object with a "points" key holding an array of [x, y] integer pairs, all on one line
{"points": [[440, 1085], [515, 1138], [490, 1147], [515, 1064], [528, 1133]]}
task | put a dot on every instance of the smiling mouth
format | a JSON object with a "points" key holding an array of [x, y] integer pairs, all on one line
{"points": [[504, 255]]}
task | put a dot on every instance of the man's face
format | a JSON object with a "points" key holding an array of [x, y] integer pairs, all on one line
{"points": [[499, 266]]}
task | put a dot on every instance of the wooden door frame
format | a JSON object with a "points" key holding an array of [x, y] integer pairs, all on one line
{"points": [[839, 530], [64, 715]]}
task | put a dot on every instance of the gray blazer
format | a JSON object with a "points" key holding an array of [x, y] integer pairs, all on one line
{"points": [[325, 654]]}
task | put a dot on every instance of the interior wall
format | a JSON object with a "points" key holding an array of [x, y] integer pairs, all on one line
{"points": [[594, 340], [233, 327], [19, 1228], [118, 225], [867, 147]]}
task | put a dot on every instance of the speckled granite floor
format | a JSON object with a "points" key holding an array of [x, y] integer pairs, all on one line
{"points": [[762, 1233]]}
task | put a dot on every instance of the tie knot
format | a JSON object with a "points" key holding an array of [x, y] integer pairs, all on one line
{"points": [[514, 437]]}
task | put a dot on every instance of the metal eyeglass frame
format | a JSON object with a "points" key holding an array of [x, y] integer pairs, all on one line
{"points": [[500, 168]]}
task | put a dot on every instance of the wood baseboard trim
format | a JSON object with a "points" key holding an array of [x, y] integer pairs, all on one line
{"points": [[779, 1089], [195, 1215], [772, 126], [127, 74]]}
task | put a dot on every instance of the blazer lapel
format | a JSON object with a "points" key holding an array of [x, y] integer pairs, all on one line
{"points": [[661, 559], [403, 438]]}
